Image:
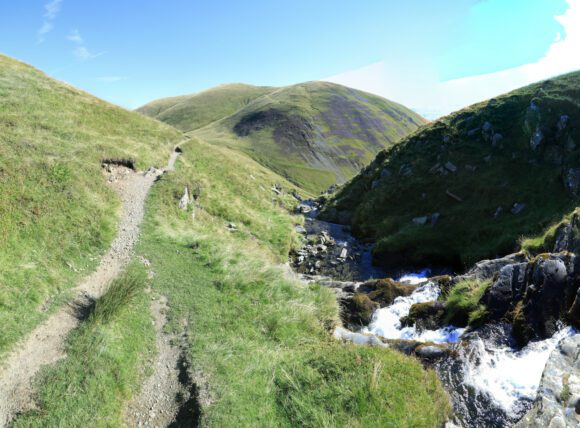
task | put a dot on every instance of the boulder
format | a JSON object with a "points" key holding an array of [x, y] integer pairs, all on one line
{"points": [[425, 316], [506, 290], [357, 310], [488, 268], [450, 167], [563, 122], [184, 201], [300, 229], [385, 291], [557, 403], [420, 221], [496, 138]]}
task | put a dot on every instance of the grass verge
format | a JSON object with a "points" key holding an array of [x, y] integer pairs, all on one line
{"points": [[102, 367]]}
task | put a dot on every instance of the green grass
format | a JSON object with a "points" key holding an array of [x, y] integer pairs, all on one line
{"points": [[57, 215], [190, 112], [505, 173], [462, 304], [105, 356], [345, 127], [545, 241], [249, 326]]}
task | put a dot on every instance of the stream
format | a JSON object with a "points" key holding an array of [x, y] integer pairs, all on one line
{"points": [[492, 383]]}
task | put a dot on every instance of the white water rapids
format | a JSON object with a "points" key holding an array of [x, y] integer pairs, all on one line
{"points": [[505, 374]]}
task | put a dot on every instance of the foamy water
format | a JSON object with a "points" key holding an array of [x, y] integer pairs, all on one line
{"points": [[508, 375], [505, 374], [386, 322]]}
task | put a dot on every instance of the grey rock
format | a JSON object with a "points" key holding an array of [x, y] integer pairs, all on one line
{"points": [[421, 221], [435, 218], [343, 254], [431, 352], [184, 201], [497, 212], [534, 106], [563, 122], [536, 139], [375, 184], [450, 167], [406, 170], [472, 132], [557, 402], [300, 229], [506, 289], [486, 127], [497, 137], [572, 181], [517, 208], [488, 268]]}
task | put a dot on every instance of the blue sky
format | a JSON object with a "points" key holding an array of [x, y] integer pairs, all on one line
{"points": [[130, 52]]}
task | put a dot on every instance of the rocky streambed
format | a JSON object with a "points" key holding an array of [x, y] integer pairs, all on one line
{"points": [[522, 365]]}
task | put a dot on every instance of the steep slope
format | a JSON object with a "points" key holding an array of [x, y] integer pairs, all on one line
{"points": [[57, 214], [469, 185], [190, 112], [315, 134]]}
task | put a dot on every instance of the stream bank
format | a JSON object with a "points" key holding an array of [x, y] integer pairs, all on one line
{"points": [[493, 380]]}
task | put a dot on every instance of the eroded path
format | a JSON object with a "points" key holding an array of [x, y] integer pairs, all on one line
{"points": [[45, 345]]}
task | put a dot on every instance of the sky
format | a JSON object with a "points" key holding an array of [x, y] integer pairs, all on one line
{"points": [[432, 56]]}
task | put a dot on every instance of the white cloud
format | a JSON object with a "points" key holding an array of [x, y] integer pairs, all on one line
{"points": [[51, 10], [75, 37], [81, 51], [418, 87]]}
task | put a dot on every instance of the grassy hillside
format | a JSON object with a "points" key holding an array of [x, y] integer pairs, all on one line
{"points": [[257, 340], [471, 184], [57, 214], [190, 112], [315, 134]]}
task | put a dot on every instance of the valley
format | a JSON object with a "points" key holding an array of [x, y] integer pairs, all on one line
{"points": [[310, 255]]}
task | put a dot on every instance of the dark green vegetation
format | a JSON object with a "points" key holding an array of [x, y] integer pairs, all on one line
{"points": [[104, 361], [474, 181], [315, 134], [57, 215], [250, 326]]}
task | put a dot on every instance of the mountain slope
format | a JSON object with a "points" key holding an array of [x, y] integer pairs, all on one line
{"points": [[57, 214], [469, 185], [190, 112], [315, 134]]}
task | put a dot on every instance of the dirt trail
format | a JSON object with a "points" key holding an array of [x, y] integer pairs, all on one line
{"points": [[164, 392], [45, 345]]}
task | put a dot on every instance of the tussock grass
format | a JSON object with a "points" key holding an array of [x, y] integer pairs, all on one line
{"points": [[57, 215], [103, 367], [463, 307]]}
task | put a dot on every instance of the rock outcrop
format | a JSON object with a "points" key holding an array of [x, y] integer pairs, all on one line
{"points": [[558, 401]]}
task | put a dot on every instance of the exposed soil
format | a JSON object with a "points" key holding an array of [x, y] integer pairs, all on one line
{"points": [[168, 396], [45, 345]]}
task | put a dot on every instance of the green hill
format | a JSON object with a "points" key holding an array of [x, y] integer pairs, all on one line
{"points": [[315, 134], [190, 112], [471, 184], [56, 213]]}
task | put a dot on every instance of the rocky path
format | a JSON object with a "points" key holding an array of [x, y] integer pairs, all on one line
{"points": [[163, 392], [45, 345]]}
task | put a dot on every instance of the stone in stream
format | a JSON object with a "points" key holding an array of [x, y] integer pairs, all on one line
{"points": [[558, 401], [300, 229], [343, 254]]}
